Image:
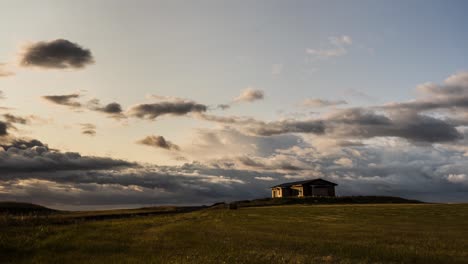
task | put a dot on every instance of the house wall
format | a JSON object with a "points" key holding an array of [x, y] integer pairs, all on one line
{"points": [[323, 191], [301, 191], [297, 191]]}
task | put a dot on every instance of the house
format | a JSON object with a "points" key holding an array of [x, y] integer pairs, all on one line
{"points": [[315, 187]]}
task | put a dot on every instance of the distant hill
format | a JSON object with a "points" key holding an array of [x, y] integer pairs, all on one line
{"points": [[323, 200], [24, 208]]}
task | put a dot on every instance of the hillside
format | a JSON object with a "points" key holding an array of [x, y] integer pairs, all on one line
{"points": [[17, 208], [326, 200], [350, 233]]}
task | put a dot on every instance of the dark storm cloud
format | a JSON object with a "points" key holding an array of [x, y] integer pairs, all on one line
{"points": [[3, 128], [362, 123], [56, 54], [352, 123], [67, 100], [22, 144], [158, 142], [412, 172], [34, 156], [178, 108]]}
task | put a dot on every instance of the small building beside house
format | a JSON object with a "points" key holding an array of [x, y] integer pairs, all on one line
{"points": [[315, 187]]}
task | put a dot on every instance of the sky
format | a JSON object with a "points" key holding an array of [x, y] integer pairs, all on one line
{"points": [[108, 104]]}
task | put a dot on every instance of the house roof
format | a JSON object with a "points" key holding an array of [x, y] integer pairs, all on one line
{"points": [[319, 181]]}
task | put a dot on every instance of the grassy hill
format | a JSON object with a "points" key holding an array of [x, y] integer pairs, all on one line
{"points": [[16, 208], [339, 233], [325, 200]]}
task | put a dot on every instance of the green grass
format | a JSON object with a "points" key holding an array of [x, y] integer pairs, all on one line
{"points": [[385, 233]]}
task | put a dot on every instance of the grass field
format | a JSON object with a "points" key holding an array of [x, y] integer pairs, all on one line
{"points": [[386, 233]]}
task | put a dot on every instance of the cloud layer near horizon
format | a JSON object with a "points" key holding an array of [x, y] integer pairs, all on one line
{"points": [[416, 149]]}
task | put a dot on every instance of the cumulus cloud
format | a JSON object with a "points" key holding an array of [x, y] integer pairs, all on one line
{"points": [[158, 142], [457, 178], [314, 102], [67, 100], [177, 108], [451, 96], [337, 47], [249, 95], [56, 54]]}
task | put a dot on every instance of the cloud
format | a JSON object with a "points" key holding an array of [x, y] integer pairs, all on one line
{"points": [[4, 72], [266, 178], [337, 48], [32, 156], [30, 170], [364, 123], [287, 126], [343, 161], [452, 95], [88, 129], [457, 178], [3, 128], [177, 108], [247, 95], [67, 100], [9, 122], [209, 144], [223, 106], [10, 118], [352, 123], [313, 102], [158, 142], [112, 109], [56, 54], [250, 95]]}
